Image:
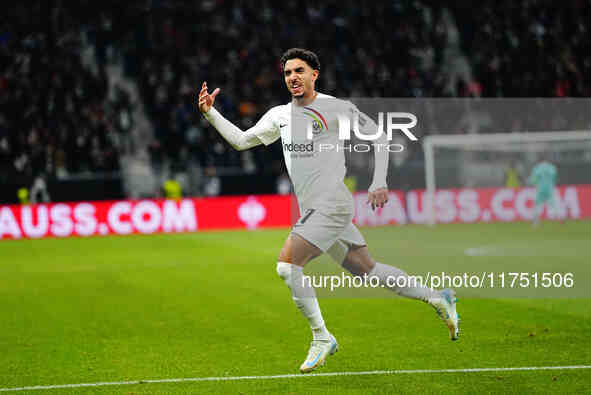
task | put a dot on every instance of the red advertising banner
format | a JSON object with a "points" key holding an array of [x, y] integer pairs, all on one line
{"points": [[252, 212], [475, 205], [143, 216]]}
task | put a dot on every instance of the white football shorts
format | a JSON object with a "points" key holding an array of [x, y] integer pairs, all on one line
{"points": [[328, 230]]}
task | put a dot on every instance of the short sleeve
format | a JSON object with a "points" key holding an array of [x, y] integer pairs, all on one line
{"points": [[266, 129]]}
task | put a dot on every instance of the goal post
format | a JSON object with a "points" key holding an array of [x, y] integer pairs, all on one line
{"points": [[479, 160]]}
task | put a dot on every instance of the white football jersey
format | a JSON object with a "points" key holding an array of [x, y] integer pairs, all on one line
{"points": [[316, 166]]}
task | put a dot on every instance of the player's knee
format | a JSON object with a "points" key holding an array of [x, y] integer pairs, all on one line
{"points": [[284, 270], [358, 261], [352, 267]]}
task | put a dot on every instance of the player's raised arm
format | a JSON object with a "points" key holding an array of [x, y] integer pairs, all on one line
{"points": [[237, 138], [205, 99]]}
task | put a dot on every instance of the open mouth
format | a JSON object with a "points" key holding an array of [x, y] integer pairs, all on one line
{"points": [[297, 88]]}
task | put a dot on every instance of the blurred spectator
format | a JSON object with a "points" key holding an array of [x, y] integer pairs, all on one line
{"points": [[513, 175], [39, 193], [530, 48], [56, 116], [377, 49], [172, 189], [23, 195]]}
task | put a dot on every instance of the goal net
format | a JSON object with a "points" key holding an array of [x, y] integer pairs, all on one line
{"points": [[504, 160]]}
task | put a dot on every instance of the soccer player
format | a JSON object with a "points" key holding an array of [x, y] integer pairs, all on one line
{"points": [[326, 204], [543, 176]]}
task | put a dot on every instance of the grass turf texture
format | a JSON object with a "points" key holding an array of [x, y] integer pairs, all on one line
{"points": [[211, 304]]}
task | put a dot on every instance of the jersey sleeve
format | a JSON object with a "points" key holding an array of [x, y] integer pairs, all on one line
{"points": [[367, 126], [266, 128]]}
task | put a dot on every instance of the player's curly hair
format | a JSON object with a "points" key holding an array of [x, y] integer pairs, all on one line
{"points": [[307, 56]]}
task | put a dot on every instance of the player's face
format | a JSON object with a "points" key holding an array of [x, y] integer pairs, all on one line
{"points": [[299, 78]]}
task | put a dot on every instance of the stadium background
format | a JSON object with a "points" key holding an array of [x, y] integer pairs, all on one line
{"points": [[97, 112], [99, 100]]}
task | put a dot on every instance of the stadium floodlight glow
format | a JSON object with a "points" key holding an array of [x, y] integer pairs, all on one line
{"points": [[463, 150]]}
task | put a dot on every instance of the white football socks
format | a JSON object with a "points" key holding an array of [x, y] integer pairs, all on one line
{"points": [[304, 297], [398, 281]]}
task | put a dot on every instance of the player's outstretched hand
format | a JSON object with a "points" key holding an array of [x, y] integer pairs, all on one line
{"points": [[205, 99], [377, 198]]}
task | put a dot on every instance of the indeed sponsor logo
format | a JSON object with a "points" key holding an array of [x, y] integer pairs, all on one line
{"points": [[293, 147]]}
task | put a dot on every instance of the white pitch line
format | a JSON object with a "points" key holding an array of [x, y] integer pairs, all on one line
{"points": [[295, 376]]}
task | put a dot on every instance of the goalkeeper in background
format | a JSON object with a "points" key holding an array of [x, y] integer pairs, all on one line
{"points": [[543, 176]]}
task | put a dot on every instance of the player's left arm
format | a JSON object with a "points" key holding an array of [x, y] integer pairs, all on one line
{"points": [[378, 190]]}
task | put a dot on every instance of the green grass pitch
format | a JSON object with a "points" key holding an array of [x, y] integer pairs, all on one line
{"points": [[210, 304]]}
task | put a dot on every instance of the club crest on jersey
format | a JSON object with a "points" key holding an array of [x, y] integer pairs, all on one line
{"points": [[316, 127], [318, 122]]}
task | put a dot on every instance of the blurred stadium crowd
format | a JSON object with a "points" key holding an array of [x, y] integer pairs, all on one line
{"points": [[56, 117], [59, 114]]}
